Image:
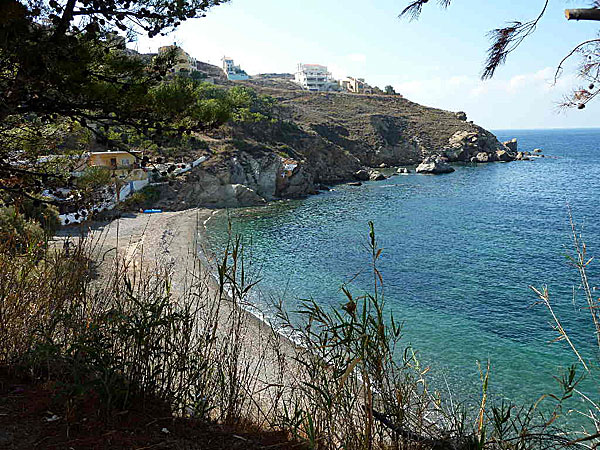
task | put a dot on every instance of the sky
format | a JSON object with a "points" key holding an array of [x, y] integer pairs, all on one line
{"points": [[435, 61]]}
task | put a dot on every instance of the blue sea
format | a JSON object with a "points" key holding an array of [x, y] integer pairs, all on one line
{"points": [[459, 254]]}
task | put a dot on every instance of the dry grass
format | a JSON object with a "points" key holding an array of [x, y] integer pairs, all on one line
{"points": [[129, 340]]}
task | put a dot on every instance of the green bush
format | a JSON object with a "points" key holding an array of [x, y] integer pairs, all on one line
{"points": [[19, 235], [94, 177], [42, 213], [127, 339]]}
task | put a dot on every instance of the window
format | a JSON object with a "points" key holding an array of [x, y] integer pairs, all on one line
{"points": [[125, 162]]}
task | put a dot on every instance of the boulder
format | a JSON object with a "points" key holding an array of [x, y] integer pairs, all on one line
{"points": [[434, 165], [323, 187], [462, 144], [481, 157], [355, 183], [461, 115], [262, 174], [243, 196], [377, 176], [382, 165], [503, 155], [537, 150], [402, 170], [512, 145], [298, 184], [362, 175]]}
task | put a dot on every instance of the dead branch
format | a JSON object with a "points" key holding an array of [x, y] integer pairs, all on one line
{"points": [[571, 53], [583, 14]]}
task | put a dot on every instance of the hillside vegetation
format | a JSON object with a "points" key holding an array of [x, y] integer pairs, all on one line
{"points": [[313, 139]]}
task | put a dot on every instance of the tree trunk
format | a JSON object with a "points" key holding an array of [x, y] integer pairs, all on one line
{"points": [[583, 14]]}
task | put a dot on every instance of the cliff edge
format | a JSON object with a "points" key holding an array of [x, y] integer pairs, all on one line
{"points": [[317, 139]]}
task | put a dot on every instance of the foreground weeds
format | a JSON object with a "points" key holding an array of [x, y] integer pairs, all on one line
{"points": [[124, 333], [128, 334], [357, 386]]}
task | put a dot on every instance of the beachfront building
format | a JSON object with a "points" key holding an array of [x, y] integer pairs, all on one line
{"points": [[114, 160], [233, 72], [314, 77], [355, 85], [127, 175], [124, 165], [184, 63]]}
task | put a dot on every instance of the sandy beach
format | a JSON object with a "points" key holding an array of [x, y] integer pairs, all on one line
{"points": [[177, 241]]}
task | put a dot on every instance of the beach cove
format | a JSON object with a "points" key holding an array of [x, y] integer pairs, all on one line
{"points": [[457, 311], [460, 252]]}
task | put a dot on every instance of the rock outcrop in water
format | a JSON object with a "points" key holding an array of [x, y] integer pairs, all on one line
{"points": [[362, 175], [434, 165], [512, 145], [325, 138], [377, 176]]}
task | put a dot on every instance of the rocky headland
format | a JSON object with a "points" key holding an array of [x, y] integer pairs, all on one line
{"points": [[318, 139]]}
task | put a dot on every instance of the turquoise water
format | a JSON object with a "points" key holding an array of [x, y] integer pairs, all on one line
{"points": [[460, 251]]}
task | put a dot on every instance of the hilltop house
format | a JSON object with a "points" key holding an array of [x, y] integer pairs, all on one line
{"points": [[233, 72], [355, 85], [314, 77], [184, 63]]}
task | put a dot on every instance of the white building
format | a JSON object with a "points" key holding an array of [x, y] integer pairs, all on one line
{"points": [[232, 71], [228, 64], [314, 77]]}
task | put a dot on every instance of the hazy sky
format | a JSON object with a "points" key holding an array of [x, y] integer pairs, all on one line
{"points": [[435, 61]]}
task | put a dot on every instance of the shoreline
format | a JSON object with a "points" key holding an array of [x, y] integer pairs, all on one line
{"points": [[170, 238], [178, 241]]}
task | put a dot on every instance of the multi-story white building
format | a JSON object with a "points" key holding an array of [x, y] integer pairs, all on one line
{"points": [[314, 77], [232, 71], [228, 64]]}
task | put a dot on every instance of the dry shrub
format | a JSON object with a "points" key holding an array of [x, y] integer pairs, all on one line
{"points": [[137, 333]]}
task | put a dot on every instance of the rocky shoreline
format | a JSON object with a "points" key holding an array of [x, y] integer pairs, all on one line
{"points": [[248, 180], [315, 140]]}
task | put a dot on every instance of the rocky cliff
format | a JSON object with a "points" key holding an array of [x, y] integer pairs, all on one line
{"points": [[317, 139]]}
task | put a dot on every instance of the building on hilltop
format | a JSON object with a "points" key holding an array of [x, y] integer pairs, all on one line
{"points": [[355, 85], [314, 77], [184, 63], [233, 72]]}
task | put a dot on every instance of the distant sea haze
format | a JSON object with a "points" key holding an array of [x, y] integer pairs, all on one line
{"points": [[460, 251]]}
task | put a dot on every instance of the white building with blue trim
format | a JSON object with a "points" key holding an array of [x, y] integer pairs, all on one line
{"points": [[233, 72]]}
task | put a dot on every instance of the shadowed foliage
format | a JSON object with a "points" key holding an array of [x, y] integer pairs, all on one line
{"points": [[65, 72]]}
